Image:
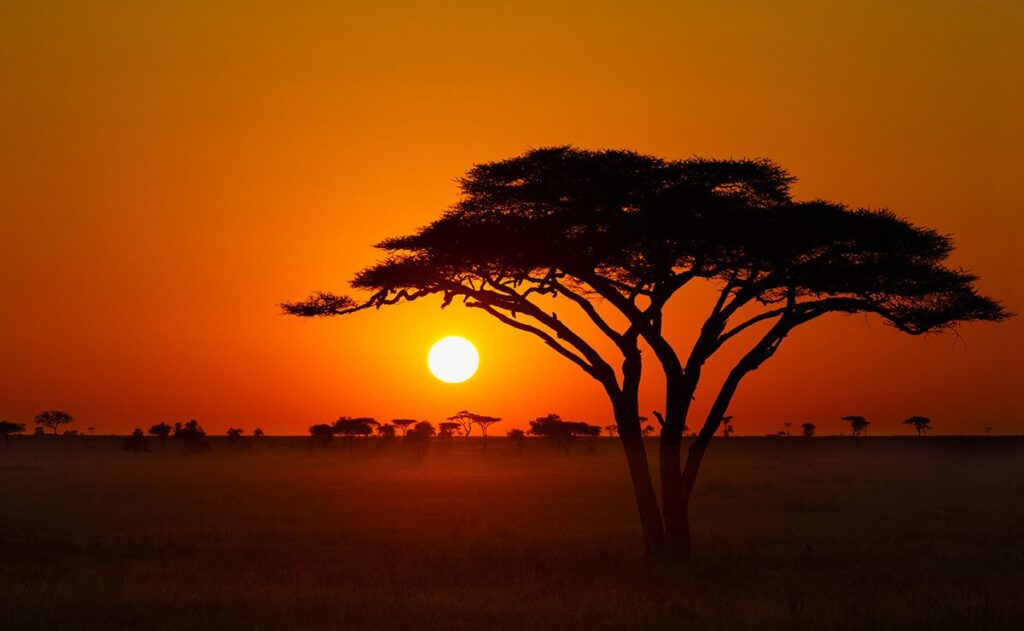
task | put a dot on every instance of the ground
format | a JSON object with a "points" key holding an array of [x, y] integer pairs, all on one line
{"points": [[821, 533]]}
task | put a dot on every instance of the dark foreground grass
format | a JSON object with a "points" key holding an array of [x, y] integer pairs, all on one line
{"points": [[790, 533]]}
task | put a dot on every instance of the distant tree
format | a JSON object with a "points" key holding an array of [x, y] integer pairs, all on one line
{"points": [[53, 419], [161, 431], [349, 428], [647, 430], [615, 237], [8, 428], [611, 430], [419, 436], [38, 431], [258, 433], [447, 430], [484, 422], [386, 430], [322, 434], [234, 435], [921, 424], [136, 443], [516, 437], [858, 424], [192, 437], [561, 433], [787, 425], [70, 432], [465, 419], [403, 424], [809, 429], [727, 426]]}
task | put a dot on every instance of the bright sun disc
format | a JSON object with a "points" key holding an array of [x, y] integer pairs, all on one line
{"points": [[453, 359]]}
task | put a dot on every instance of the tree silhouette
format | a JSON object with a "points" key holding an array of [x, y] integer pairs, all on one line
{"points": [[235, 439], [403, 424], [258, 433], [727, 428], [349, 428], [809, 429], [53, 419], [858, 424], [419, 436], [192, 437], [611, 430], [8, 428], [136, 443], [562, 433], [787, 425], [466, 420], [447, 430], [387, 430], [615, 235], [646, 430], [322, 434], [161, 431], [38, 431], [517, 436], [921, 424]]}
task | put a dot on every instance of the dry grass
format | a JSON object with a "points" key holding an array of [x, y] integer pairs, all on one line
{"points": [[791, 533]]}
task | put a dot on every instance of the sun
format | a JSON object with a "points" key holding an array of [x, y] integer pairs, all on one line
{"points": [[453, 359]]}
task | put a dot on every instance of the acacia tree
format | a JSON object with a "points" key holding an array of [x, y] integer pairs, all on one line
{"points": [[403, 424], [809, 429], [562, 433], [447, 430], [921, 423], [161, 431], [466, 420], [352, 427], [7, 428], [614, 236], [53, 419], [858, 424]]}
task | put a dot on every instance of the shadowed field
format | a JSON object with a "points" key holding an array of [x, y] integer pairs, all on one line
{"points": [[824, 533]]}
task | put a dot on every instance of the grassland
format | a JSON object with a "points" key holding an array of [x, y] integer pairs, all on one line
{"points": [[824, 533]]}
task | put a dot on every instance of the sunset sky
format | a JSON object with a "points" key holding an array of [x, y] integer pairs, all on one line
{"points": [[169, 172]]}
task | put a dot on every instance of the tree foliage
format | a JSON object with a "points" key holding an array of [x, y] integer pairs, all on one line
{"points": [[562, 433], [53, 419], [7, 428], [921, 424], [858, 424]]}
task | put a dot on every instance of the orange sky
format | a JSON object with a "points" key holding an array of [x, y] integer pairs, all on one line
{"points": [[169, 173]]}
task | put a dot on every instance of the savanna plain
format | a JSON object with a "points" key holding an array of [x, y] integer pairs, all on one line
{"points": [[794, 533]]}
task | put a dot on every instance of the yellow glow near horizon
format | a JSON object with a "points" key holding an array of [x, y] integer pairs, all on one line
{"points": [[453, 359]]}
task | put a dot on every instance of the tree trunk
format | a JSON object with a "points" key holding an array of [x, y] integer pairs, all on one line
{"points": [[643, 490], [672, 498], [679, 393]]}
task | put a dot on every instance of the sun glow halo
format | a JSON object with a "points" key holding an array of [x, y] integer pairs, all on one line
{"points": [[453, 359]]}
